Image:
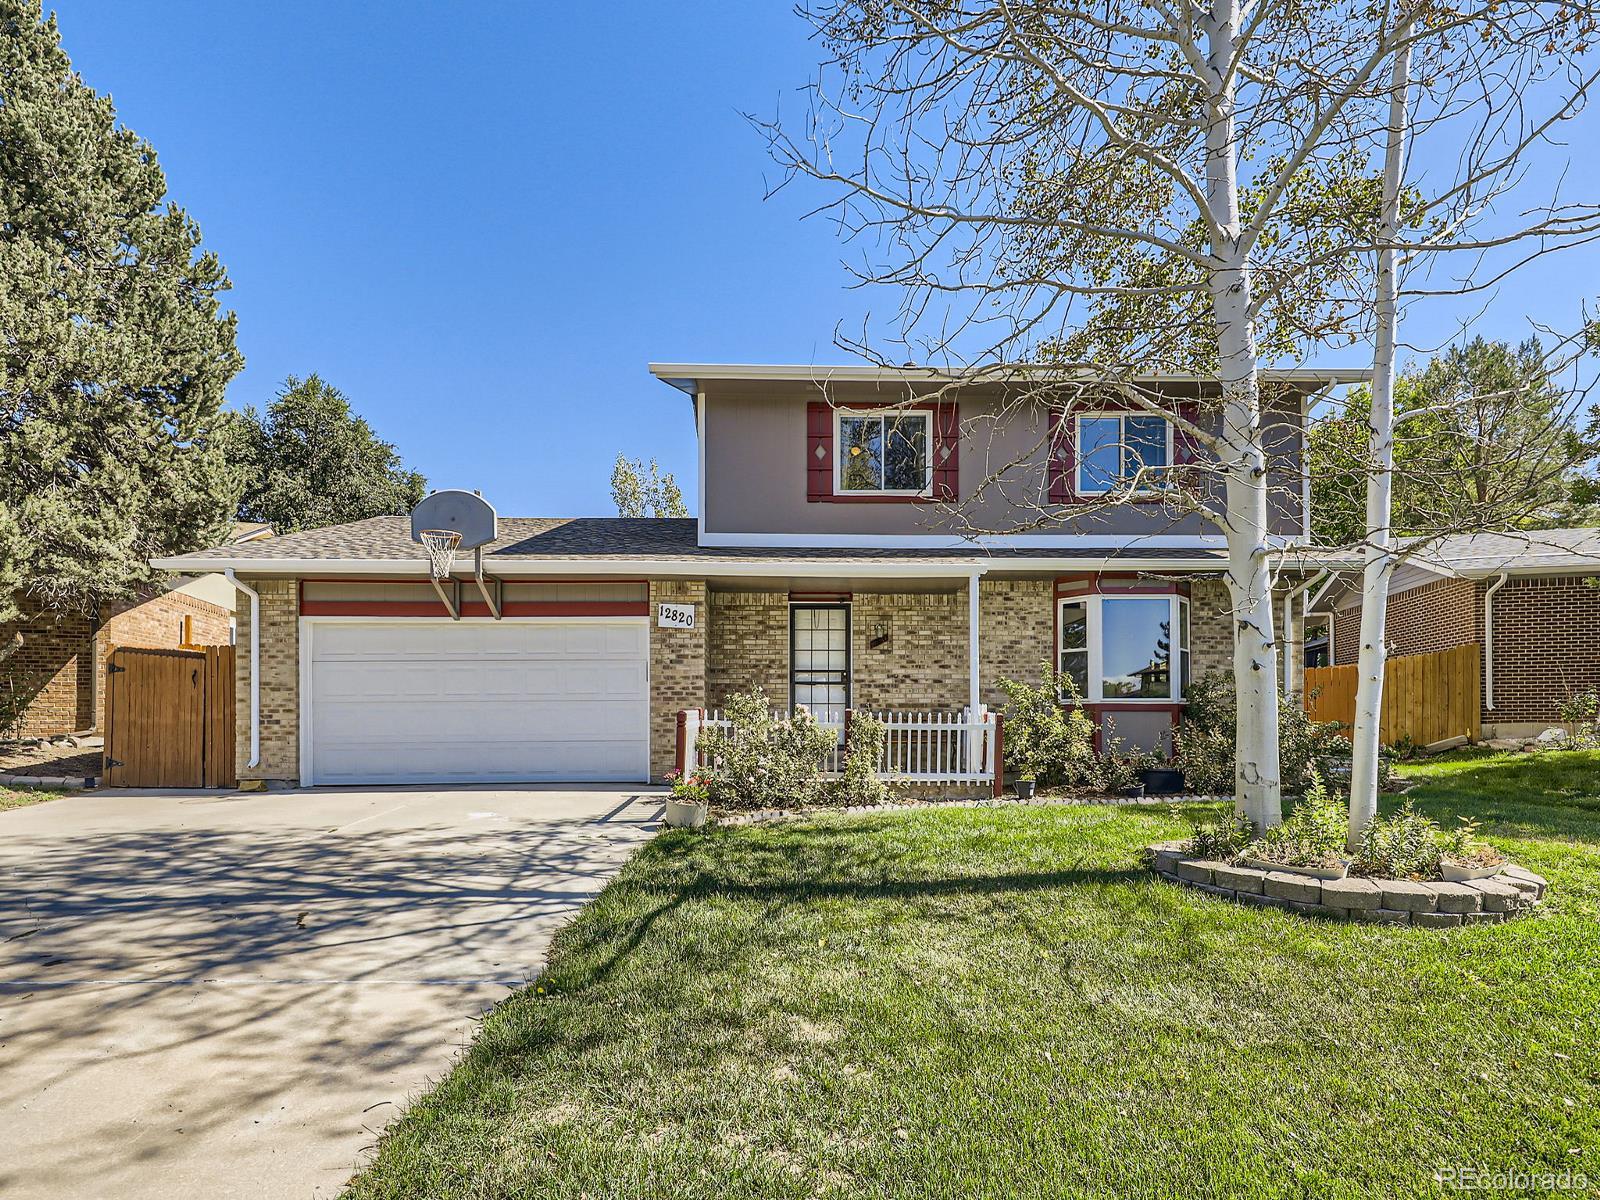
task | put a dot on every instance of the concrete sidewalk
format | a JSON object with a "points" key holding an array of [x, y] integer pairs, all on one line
{"points": [[225, 995]]}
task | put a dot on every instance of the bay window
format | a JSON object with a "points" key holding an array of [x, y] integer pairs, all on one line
{"points": [[1125, 647]]}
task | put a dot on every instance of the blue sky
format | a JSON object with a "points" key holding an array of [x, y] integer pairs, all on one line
{"points": [[482, 221]]}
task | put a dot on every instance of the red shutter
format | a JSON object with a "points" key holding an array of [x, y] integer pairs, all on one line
{"points": [[947, 452], [1061, 463], [819, 451]]}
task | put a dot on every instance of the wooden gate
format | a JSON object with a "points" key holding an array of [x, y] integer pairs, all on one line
{"points": [[170, 718], [1427, 698]]}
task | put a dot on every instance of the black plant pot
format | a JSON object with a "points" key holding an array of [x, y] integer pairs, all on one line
{"points": [[1136, 792], [1162, 781], [1025, 789]]}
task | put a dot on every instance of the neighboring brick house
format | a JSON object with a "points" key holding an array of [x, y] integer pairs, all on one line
{"points": [[57, 657], [1530, 601], [823, 568]]}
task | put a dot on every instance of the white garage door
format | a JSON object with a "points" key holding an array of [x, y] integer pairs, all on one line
{"points": [[477, 701]]}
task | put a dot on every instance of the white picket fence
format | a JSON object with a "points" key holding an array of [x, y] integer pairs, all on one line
{"points": [[918, 747]]}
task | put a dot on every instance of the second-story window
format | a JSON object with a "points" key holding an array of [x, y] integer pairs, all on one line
{"points": [[885, 452], [1112, 448]]}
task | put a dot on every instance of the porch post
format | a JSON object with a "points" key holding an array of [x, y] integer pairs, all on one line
{"points": [[972, 644]]}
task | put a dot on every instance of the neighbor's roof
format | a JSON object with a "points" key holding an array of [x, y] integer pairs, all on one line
{"points": [[1533, 551], [685, 376], [615, 545]]}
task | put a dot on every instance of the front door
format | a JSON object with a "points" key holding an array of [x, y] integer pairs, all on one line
{"points": [[819, 660]]}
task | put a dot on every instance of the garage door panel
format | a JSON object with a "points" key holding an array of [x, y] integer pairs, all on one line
{"points": [[496, 702]]}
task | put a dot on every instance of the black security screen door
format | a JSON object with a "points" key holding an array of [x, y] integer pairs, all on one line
{"points": [[819, 659]]}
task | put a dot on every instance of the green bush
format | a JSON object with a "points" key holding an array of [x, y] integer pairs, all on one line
{"points": [[1405, 845], [861, 783], [1048, 737], [764, 762], [1204, 745], [1580, 713], [1221, 840], [1312, 835]]}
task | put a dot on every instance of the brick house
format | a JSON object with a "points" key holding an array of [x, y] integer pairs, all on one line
{"points": [[1529, 601], [824, 567]]}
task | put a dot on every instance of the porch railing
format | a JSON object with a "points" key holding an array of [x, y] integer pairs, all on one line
{"points": [[929, 747]]}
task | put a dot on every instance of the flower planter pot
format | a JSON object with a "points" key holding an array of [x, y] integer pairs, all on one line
{"points": [[1455, 874], [1162, 781], [1338, 872], [1136, 792], [1025, 788], [686, 814]]}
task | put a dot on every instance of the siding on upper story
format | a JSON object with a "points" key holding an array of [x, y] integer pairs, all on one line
{"points": [[755, 461]]}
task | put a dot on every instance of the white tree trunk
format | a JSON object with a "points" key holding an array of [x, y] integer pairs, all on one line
{"points": [[1258, 793], [1379, 558]]}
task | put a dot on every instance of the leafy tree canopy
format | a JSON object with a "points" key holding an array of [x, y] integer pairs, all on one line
{"points": [[309, 461], [114, 349], [639, 490], [1485, 439]]}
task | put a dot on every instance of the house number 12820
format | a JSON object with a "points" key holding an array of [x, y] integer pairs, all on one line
{"points": [[676, 616]]}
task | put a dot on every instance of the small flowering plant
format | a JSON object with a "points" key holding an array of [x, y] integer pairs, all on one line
{"points": [[692, 787]]}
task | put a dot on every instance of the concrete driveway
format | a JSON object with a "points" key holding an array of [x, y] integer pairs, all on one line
{"points": [[229, 995]]}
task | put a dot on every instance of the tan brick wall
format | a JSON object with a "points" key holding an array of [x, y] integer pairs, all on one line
{"points": [[748, 646], [924, 663], [1210, 627], [54, 665], [280, 681], [157, 624], [677, 667], [1016, 633]]}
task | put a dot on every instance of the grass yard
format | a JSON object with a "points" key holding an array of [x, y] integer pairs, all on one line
{"points": [[1006, 1004], [22, 797]]}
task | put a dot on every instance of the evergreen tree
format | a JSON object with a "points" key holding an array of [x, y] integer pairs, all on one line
{"points": [[114, 349], [309, 461], [1485, 439]]}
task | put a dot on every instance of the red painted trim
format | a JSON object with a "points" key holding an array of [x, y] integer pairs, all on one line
{"points": [[474, 608], [999, 754]]}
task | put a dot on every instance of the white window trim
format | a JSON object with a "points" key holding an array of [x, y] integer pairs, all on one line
{"points": [[839, 417], [1078, 487], [1177, 615]]}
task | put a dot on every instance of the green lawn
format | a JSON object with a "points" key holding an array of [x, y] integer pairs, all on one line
{"points": [[1004, 1003], [22, 797]]}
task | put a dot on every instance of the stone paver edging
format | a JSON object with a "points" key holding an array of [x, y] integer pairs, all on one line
{"points": [[68, 782], [1397, 901]]}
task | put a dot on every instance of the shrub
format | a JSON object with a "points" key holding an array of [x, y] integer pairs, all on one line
{"points": [[1313, 834], [1047, 736], [861, 783], [1580, 713], [1402, 846], [759, 761], [1204, 746], [1222, 839]]}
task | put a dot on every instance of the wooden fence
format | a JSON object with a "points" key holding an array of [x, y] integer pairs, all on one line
{"points": [[1426, 697], [170, 718]]}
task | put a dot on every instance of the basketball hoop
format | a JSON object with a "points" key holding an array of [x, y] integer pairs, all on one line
{"points": [[440, 547]]}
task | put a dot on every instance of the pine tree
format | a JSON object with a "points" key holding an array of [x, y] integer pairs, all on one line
{"points": [[310, 461], [114, 350]]}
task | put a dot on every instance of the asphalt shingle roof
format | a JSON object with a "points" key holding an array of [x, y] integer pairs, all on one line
{"points": [[644, 538], [1534, 549]]}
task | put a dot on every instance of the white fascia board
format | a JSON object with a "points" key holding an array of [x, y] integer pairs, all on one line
{"points": [[685, 376], [710, 567], [975, 546]]}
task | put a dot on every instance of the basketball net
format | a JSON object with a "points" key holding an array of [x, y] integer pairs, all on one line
{"points": [[440, 547]]}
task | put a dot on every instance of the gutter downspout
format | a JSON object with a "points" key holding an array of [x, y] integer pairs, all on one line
{"points": [[1488, 639], [255, 664], [1288, 622]]}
